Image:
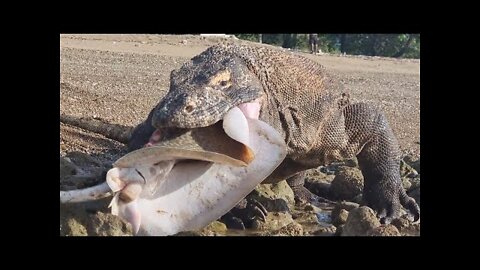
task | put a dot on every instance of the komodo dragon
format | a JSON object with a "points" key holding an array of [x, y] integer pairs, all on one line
{"points": [[295, 96]]}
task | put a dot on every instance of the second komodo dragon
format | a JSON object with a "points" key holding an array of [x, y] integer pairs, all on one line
{"points": [[295, 96]]}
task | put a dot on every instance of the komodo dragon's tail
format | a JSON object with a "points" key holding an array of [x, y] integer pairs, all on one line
{"points": [[115, 132]]}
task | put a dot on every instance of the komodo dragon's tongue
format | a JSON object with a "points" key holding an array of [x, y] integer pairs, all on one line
{"points": [[160, 195]]}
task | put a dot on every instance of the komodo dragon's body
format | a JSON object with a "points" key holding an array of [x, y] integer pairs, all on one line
{"points": [[297, 97]]}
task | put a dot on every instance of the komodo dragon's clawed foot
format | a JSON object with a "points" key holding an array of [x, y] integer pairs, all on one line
{"points": [[244, 213], [388, 204]]}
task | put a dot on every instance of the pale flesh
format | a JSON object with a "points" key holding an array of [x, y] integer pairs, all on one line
{"points": [[194, 193]]}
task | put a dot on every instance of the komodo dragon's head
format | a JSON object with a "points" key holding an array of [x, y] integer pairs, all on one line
{"points": [[205, 88]]}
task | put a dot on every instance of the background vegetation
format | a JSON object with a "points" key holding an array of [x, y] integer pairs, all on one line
{"points": [[389, 45]]}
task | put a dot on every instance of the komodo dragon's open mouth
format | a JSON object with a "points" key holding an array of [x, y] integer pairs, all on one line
{"points": [[186, 181]]}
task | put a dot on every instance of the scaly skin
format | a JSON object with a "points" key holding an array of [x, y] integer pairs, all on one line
{"points": [[297, 98]]}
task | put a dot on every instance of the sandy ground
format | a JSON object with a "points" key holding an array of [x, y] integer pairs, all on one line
{"points": [[119, 78]]}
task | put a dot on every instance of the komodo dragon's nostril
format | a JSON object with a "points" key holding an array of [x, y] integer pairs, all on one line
{"points": [[188, 109]]}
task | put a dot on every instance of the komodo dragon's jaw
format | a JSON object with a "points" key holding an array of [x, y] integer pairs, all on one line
{"points": [[204, 89]]}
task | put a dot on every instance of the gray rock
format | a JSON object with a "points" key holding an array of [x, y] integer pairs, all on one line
{"points": [[339, 230], [347, 184], [326, 170], [348, 206], [274, 221], [406, 170], [271, 192], [358, 199], [275, 205], [415, 183], [72, 228], [401, 223], [309, 207], [325, 231], [319, 187], [189, 233], [415, 193], [341, 218], [360, 221], [274, 197], [216, 228], [91, 218], [291, 229], [406, 183], [283, 191], [384, 230], [103, 224], [315, 174], [406, 226], [324, 216], [414, 164]]}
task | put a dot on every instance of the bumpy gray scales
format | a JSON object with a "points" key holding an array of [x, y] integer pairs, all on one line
{"points": [[301, 101]]}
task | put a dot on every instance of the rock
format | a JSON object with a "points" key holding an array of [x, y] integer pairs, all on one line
{"points": [[341, 218], [275, 205], [347, 184], [358, 199], [326, 170], [73, 228], [189, 233], [413, 229], [318, 182], [315, 174], [415, 183], [306, 217], [384, 230], [319, 187], [308, 207], [348, 206], [360, 221], [274, 221], [415, 193], [406, 183], [328, 230], [103, 224], [414, 164], [400, 223], [407, 170], [215, 228], [274, 197], [283, 191], [91, 218], [292, 229], [406, 226], [339, 230], [323, 216]]}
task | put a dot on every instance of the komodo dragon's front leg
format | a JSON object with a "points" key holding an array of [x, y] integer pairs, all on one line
{"points": [[379, 159], [361, 130]]}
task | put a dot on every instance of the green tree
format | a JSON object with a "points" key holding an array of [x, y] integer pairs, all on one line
{"points": [[389, 45]]}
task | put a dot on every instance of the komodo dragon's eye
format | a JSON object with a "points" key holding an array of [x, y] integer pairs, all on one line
{"points": [[222, 78], [223, 83]]}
